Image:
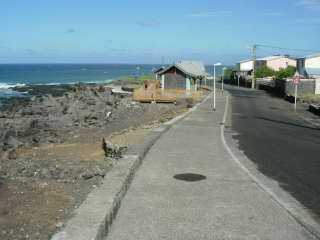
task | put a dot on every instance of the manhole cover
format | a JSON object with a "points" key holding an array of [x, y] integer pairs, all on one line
{"points": [[190, 177]]}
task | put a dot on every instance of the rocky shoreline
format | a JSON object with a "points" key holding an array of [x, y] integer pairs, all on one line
{"points": [[51, 112], [51, 153]]}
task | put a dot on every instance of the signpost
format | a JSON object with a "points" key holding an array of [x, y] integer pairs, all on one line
{"points": [[296, 81]]}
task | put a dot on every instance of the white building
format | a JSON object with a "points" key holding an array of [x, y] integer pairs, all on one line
{"points": [[279, 62], [274, 62], [247, 65], [312, 65]]}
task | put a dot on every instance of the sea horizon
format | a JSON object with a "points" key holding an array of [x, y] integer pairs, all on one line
{"points": [[19, 74], [22, 74]]}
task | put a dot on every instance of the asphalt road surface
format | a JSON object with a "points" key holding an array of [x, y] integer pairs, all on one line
{"points": [[281, 144]]}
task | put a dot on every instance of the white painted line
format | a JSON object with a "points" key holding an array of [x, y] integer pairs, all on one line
{"points": [[266, 189]]}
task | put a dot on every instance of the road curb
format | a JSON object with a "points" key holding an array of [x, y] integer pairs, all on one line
{"points": [[93, 219]]}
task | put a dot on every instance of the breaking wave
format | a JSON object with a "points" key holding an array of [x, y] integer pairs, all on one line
{"points": [[9, 85]]}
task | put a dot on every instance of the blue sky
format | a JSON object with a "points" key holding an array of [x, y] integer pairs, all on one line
{"points": [[146, 31]]}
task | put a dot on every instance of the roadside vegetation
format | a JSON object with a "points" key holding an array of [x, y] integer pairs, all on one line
{"points": [[228, 74], [286, 73], [265, 71]]}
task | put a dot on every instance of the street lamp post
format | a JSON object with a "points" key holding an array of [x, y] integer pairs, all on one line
{"points": [[214, 84]]}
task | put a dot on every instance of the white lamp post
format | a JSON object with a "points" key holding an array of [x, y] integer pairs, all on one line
{"points": [[214, 84]]}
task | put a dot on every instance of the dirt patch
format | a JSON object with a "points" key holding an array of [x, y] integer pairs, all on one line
{"points": [[29, 210]]}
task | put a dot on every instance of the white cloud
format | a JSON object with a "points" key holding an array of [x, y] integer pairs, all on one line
{"points": [[150, 23], [308, 21], [222, 13], [30, 51], [310, 4], [274, 14], [120, 50], [70, 30]]}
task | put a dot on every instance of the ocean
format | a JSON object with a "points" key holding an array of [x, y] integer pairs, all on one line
{"points": [[12, 75]]}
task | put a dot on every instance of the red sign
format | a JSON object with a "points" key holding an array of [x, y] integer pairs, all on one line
{"points": [[296, 80]]}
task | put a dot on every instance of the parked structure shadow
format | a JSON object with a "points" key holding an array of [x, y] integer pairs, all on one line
{"points": [[286, 123]]}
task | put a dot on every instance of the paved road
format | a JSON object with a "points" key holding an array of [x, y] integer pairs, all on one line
{"points": [[284, 147], [224, 204]]}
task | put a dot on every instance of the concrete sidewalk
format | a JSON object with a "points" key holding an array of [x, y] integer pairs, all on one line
{"points": [[225, 205]]}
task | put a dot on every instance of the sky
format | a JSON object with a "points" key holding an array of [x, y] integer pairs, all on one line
{"points": [[149, 31]]}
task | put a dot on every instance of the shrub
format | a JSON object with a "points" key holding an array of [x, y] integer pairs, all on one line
{"points": [[286, 72], [228, 74], [264, 71]]}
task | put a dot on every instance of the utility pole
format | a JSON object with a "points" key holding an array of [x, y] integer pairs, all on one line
{"points": [[214, 87], [254, 57]]}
